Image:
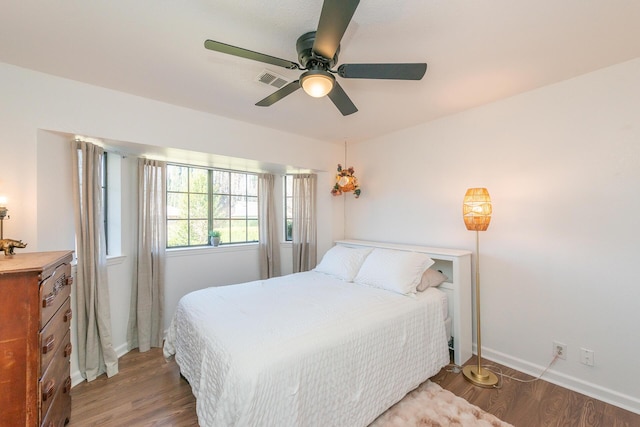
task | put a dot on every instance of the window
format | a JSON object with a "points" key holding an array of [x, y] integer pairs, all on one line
{"points": [[105, 200], [111, 195], [113, 202], [288, 207], [200, 200]]}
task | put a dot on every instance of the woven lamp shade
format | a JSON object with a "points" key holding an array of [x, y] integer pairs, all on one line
{"points": [[346, 184], [476, 209]]}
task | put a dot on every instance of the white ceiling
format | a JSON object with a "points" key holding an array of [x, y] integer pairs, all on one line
{"points": [[476, 51]]}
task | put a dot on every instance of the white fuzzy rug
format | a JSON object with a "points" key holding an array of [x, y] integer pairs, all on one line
{"points": [[430, 405]]}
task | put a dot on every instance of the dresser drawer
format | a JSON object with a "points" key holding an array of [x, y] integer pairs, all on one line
{"points": [[54, 291], [55, 335], [56, 380], [59, 412]]}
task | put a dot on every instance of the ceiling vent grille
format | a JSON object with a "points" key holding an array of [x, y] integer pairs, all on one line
{"points": [[272, 79]]}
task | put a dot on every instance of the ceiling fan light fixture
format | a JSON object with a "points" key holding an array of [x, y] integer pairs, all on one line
{"points": [[317, 83]]}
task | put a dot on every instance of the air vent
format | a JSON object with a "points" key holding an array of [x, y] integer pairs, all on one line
{"points": [[272, 79]]}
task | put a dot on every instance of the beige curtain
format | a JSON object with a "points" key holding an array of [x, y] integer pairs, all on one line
{"points": [[268, 245], [95, 351], [146, 321], [304, 222]]}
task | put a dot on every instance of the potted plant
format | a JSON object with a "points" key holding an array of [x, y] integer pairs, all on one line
{"points": [[214, 237]]}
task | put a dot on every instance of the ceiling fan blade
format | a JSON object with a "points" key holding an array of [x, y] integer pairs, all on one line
{"points": [[334, 20], [341, 100], [383, 71], [249, 54], [276, 96]]}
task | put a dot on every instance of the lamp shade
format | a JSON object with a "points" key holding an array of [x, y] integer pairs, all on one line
{"points": [[344, 181], [476, 209], [317, 83]]}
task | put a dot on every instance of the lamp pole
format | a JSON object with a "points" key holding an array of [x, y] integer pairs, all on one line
{"points": [[3, 213]]}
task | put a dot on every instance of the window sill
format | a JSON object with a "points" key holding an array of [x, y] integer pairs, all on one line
{"points": [[201, 250], [111, 261], [115, 259]]}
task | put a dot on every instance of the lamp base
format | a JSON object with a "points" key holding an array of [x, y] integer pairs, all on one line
{"points": [[481, 378]]}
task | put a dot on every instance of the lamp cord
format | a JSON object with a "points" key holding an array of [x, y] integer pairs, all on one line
{"points": [[457, 369], [344, 199]]}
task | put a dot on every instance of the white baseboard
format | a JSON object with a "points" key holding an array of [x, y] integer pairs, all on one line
{"points": [[77, 378], [612, 397]]}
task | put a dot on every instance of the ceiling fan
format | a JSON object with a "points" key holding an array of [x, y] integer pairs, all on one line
{"points": [[318, 53]]}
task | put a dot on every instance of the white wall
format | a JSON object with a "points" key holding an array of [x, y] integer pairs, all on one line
{"points": [[38, 112], [559, 261]]}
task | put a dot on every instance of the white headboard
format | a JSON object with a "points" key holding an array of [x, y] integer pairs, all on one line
{"points": [[456, 265]]}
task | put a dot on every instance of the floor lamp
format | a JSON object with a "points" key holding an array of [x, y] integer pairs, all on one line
{"points": [[476, 211]]}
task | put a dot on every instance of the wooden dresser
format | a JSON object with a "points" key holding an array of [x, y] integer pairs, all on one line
{"points": [[35, 346]]}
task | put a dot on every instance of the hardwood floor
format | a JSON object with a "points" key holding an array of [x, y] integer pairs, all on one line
{"points": [[149, 392], [146, 392], [536, 404]]}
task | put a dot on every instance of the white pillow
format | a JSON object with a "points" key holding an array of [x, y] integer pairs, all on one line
{"points": [[342, 262], [397, 271], [431, 277]]}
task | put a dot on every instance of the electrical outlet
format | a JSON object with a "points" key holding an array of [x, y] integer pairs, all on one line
{"points": [[586, 357], [560, 350]]}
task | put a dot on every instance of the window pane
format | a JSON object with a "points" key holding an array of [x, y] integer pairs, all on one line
{"points": [[238, 183], [288, 207], [177, 233], [220, 206], [177, 205], [198, 233], [252, 231], [177, 178], [252, 207], [238, 230], [289, 185], [220, 182], [289, 230], [199, 206], [105, 200], [198, 180], [223, 227], [252, 185], [238, 207]]}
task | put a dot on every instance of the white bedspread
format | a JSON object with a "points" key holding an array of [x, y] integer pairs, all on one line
{"points": [[304, 350]]}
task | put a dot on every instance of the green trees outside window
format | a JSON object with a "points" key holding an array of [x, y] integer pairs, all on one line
{"points": [[200, 200]]}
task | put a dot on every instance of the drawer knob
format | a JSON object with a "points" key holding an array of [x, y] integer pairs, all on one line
{"points": [[49, 344], [68, 315], [69, 281], [49, 388], [67, 350], [48, 300], [67, 385]]}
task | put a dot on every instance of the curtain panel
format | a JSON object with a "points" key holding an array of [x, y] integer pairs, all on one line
{"points": [[268, 245], [95, 350], [304, 236], [146, 313]]}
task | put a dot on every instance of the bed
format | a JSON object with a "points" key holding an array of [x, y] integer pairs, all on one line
{"points": [[336, 346]]}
